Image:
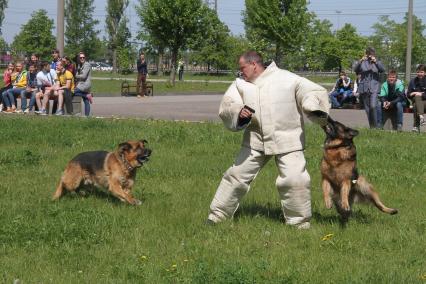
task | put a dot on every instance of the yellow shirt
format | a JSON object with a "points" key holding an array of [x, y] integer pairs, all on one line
{"points": [[63, 77], [21, 80]]}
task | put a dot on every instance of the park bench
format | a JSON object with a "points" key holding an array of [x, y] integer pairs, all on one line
{"points": [[77, 103], [128, 89]]}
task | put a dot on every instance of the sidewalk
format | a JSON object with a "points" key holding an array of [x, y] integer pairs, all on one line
{"points": [[200, 108]]}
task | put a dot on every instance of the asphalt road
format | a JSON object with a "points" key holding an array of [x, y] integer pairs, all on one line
{"points": [[199, 108]]}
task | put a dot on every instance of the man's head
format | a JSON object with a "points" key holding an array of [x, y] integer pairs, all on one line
{"points": [[55, 54], [19, 66], [392, 77], [45, 66], [251, 65], [421, 71], [342, 75], [32, 68], [82, 57], [142, 56], [370, 51]]}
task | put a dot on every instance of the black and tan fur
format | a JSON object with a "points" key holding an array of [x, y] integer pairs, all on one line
{"points": [[341, 183], [115, 171]]}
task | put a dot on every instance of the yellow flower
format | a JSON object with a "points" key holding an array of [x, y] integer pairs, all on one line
{"points": [[423, 276], [185, 260], [327, 237], [144, 258]]}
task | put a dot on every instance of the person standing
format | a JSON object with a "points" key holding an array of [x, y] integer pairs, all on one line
{"points": [[181, 66], [84, 82], [369, 86], [269, 104], [142, 74]]}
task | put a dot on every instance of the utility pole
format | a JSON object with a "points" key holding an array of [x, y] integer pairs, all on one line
{"points": [[215, 5], [60, 27], [409, 42]]}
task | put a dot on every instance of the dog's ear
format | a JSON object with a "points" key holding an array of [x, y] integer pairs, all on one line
{"points": [[352, 132], [124, 147]]}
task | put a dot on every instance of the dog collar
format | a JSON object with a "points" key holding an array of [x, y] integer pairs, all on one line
{"points": [[343, 144], [126, 163]]}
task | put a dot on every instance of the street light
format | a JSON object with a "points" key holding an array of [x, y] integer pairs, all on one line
{"points": [[338, 12]]}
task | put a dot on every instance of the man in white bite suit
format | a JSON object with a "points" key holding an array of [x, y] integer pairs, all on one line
{"points": [[268, 104]]}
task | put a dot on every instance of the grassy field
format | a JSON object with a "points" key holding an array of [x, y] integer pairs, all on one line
{"points": [[96, 239]]}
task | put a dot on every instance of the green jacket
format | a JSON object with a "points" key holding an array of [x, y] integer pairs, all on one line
{"points": [[397, 95]]}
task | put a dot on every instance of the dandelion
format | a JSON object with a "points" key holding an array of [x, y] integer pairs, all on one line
{"points": [[423, 276], [185, 260], [327, 237], [144, 258]]}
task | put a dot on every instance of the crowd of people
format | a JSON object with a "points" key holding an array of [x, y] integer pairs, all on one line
{"points": [[41, 81], [385, 101]]}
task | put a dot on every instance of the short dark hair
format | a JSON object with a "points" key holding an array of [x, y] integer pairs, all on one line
{"points": [[252, 56], [44, 63], [421, 67], [370, 51], [55, 51], [392, 72]]}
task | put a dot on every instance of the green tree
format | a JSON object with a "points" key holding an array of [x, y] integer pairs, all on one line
{"points": [[80, 33], [390, 41], [3, 6], [213, 47], [280, 22], [35, 36], [171, 24], [115, 21]]}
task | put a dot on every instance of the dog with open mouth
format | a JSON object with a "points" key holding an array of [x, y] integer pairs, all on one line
{"points": [[115, 171], [341, 183]]}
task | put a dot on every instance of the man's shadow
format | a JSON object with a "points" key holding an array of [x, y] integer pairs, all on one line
{"points": [[275, 213]]}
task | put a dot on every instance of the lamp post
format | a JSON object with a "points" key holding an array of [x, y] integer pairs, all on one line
{"points": [[338, 12]]}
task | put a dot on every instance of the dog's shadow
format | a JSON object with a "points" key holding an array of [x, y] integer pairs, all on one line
{"points": [[275, 213], [91, 191]]}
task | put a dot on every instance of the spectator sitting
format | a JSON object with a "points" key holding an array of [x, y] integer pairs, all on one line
{"points": [[392, 98], [31, 89], [19, 85], [66, 88], [83, 82], [46, 83], [7, 80], [417, 93], [67, 63], [55, 59], [342, 91]]}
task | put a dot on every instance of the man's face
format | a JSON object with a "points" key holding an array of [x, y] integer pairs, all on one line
{"points": [[46, 67], [55, 55], [142, 57], [18, 67], [392, 79], [31, 69], [247, 69], [421, 74], [33, 58]]}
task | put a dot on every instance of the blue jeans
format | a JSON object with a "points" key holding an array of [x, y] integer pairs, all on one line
{"points": [[373, 109], [24, 95], [345, 96], [79, 93], [9, 96], [398, 111]]}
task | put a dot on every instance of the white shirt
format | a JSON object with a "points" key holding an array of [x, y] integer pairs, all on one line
{"points": [[46, 79]]}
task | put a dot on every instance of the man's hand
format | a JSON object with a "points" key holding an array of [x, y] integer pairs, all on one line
{"points": [[386, 105], [245, 114], [373, 59]]}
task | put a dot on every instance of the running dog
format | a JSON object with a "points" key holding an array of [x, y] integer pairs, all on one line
{"points": [[115, 171], [341, 183]]}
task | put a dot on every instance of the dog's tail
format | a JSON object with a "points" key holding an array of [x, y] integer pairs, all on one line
{"points": [[365, 192], [59, 191]]}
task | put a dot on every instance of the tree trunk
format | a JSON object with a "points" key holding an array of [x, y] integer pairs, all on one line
{"points": [[278, 55], [173, 67], [160, 59], [114, 60]]}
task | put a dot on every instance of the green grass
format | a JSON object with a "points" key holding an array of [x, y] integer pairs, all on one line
{"points": [[96, 239]]}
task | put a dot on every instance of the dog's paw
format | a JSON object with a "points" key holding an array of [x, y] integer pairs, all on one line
{"points": [[328, 204], [345, 207], [137, 202]]}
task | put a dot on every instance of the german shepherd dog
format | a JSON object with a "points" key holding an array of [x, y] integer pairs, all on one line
{"points": [[341, 183], [115, 171]]}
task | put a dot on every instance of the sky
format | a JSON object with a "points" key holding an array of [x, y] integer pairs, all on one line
{"points": [[361, 13]]}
